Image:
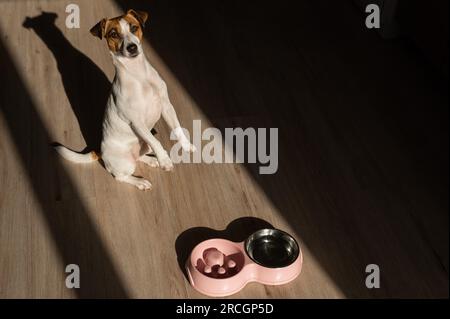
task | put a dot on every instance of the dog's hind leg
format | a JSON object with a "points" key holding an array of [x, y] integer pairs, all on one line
{"points": [[139, 182], [161, 154], [149, 160], [145, 149], [145, 156], [122, 167]]}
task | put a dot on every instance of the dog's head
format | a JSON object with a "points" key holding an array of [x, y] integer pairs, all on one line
{"points": [[123, 34]]}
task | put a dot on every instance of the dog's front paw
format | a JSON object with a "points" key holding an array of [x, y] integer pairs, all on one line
{"points": [[188, 147], [166, 164]]}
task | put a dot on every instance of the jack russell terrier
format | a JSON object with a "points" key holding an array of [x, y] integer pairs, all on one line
{"points": [[138, 99]]}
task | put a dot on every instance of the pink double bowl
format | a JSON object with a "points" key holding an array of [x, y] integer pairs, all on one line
{"points": [[219, 267]]}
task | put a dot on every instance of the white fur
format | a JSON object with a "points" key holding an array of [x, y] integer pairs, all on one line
{"points": [[138, 99], [74, 156]]}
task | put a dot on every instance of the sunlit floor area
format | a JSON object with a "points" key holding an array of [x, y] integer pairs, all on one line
{"points": [[362, 151]]}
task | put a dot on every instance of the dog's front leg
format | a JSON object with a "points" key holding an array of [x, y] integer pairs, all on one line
{"points": [[142, 132], [170, 116]]}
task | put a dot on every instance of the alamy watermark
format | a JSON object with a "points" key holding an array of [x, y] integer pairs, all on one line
{"points": [[73, 279], [373, 19], [373, 277], [239, 145], [73, 16]]}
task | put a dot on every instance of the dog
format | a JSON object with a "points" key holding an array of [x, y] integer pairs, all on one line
{"points": [[137, 100]]}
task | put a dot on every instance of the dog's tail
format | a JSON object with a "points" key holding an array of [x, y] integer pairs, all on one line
{"points": [[75, 156]]}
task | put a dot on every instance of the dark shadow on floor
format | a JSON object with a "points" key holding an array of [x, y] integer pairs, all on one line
{"points": [[238, 230], [69, 222], [363, 128], [86, 86]]}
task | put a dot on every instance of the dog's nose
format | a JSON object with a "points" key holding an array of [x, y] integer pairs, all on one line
{"points": [[132, 48]]}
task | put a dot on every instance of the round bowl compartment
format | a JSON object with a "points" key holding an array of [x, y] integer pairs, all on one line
{"points": [[224, 258], [272, 248]]}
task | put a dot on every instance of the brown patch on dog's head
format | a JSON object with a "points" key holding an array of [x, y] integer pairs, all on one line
{"points": [[113, 34], [137, 20], [109, 29]]}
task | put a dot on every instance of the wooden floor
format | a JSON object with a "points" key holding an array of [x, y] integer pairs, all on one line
{"points": [[363, 151]]}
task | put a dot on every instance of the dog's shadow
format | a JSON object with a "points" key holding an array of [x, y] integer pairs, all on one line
{"points": [[238, 230], [86, 86]]}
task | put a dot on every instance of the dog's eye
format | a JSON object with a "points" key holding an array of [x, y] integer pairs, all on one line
{"points": [[113, 34], [134, 28]]}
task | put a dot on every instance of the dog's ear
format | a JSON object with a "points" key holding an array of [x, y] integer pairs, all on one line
{"points": [[141, 16], [98, 30]]}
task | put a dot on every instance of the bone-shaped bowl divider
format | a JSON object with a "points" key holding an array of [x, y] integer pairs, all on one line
{"points": [[260, 258]]}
